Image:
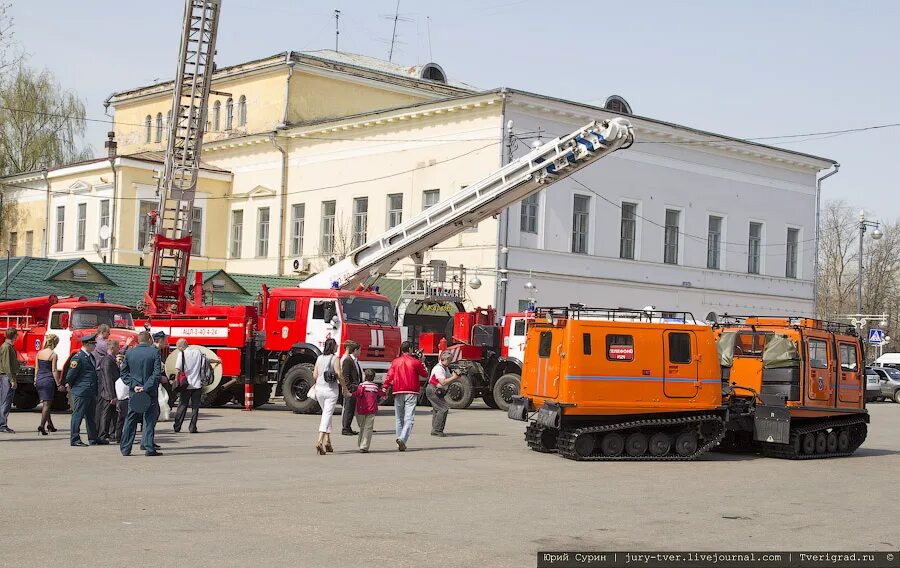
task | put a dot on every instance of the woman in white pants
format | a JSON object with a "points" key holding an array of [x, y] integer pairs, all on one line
{"points": [[327, 385]]}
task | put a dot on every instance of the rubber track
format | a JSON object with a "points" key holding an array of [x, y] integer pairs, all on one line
{"points": [[566, 443], [786, 451], [533, 434]]}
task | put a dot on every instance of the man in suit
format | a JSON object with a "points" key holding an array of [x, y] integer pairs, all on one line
{"points": [[108, 374], [352, 373], [140, 372], [81, 376]]}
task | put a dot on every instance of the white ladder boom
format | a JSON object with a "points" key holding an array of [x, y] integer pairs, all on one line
{"points": [[517, 180]]}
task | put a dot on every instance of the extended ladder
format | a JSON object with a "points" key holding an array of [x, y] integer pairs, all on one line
{"points": [[177, 186], [515, 181]]}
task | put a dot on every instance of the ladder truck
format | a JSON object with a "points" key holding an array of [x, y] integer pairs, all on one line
{"points": [[274, 344]]}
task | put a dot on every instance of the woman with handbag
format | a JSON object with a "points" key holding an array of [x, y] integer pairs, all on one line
{"points": [[328, 378], [441, 376]]}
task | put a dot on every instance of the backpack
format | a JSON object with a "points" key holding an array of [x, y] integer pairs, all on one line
{"points": [[207, 375]]}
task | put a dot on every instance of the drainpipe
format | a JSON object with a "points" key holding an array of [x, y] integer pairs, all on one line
{"points": [[47, 213], [503, 221], [281, 216], [819, 181], [287, 89]]}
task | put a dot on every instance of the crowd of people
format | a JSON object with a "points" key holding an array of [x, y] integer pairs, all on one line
{"points": [[112, 391]]}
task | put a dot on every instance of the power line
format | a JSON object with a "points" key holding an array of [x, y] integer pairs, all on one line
{"points": [[295, 192]]}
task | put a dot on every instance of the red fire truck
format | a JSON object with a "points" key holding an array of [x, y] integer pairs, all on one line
{"points": [[69, 318]]}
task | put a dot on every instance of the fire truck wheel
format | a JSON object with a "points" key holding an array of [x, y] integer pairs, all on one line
{"points": [[215, 398], [460, 393], [297, 382], [261, 394], [489, 400], [506, 387], [60, 402], [25, 397]]}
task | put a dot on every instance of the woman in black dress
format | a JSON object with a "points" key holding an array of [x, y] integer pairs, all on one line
{"points": [[46, 381]]}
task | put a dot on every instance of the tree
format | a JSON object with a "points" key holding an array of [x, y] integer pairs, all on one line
{"points": [[837, 255], [41, 124], [10, 54]]}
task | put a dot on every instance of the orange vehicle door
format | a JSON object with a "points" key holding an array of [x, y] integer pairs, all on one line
{"points": [[680, 364], [550, 345], [849, 381], [819, 375]]}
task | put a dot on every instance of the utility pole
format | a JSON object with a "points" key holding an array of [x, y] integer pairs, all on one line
{"points": [[876, 234]]}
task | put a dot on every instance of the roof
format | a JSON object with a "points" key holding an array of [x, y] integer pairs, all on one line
{"points": [[353, 63], [31, 277]]}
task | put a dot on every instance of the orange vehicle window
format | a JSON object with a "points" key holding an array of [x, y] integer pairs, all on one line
{"points": [[818, 354], [848, 357], [545, 344], [287, 310], [620, 347], [586, 340], [679, 348], [751, 344]]}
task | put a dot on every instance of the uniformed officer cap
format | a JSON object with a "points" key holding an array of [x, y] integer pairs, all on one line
{"points": [[159, 335], [89, 338]]}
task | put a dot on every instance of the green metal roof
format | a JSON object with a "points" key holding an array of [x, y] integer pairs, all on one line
{"points": [[30, 276]]}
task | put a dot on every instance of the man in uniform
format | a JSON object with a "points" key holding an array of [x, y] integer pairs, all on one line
{"points": [[140, 371], [81, 376]]}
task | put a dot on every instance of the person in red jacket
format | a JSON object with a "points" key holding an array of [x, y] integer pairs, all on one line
{"points": [[367, 395], [403, 377]]}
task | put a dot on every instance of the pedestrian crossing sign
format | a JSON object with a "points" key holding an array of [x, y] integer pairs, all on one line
{"points": [[876, 336]]}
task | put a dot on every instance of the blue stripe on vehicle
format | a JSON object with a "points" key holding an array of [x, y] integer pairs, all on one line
{"points": [[850, 386]]}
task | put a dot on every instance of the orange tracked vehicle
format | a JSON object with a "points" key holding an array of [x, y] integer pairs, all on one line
{"points": [[620, 384]]}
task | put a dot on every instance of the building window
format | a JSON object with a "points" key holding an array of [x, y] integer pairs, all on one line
{"points": [[262, 232], [148, 128], [13, 243], [159, 126], [29, 243], [670, 243], [298, 224], [217, 116], [328, 209], [81, 226], [430, 197], [714, 243], [196, 230], [395, 209], [580, 220], [242, 111], [793, 239], [104, 219], [753, 248], [237, 233], [144, 223], [628, 230], [360, 221], [529, 213], [60, 227], [229, 114]]}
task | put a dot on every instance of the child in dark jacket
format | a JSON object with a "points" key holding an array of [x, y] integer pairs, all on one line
{"points": [[367, 395]]}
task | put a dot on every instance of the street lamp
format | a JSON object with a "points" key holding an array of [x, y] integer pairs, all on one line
{"points": [[876, 234]]}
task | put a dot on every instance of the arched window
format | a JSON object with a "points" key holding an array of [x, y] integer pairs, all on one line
{"points": [[217, 114], [229, 114], [616, 103], [148, 128], [242, 111], [159, 127], [433, 72]]}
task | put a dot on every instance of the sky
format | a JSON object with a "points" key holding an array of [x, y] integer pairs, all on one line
{"points": [[741, 68]]}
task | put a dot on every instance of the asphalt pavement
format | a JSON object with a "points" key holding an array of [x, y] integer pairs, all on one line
{"points": [[249, 490]]}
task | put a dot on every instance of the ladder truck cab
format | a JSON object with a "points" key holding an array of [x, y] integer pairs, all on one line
{"points": [[488, 355], [614, 384], [69, 318]]}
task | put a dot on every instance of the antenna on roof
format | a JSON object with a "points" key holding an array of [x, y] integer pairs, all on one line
{"points": [[396, 17], [428, 30], [337, 29]]}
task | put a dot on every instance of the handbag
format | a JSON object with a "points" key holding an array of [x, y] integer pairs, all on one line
{"points": [[329, 373], [311, 393], [181, 379]]}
